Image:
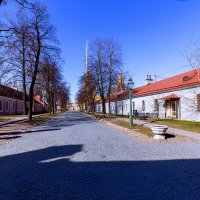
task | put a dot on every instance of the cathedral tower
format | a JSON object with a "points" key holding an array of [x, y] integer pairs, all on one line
{"points": [[86, 63]]}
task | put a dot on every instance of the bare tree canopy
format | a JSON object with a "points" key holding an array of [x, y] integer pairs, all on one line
{"points": [[19, 2], [105, 63], [30, 51]]}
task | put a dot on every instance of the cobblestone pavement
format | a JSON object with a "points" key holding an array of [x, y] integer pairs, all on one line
{"points": [[75, 157]]}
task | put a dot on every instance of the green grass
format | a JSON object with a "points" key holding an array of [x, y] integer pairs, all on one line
{"points": [[96, 115], [43, 118], [138, 128], [119, 115], [180, 124]]}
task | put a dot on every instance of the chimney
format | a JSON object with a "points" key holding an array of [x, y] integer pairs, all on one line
{"points": [[15, 88], [148, 80]]}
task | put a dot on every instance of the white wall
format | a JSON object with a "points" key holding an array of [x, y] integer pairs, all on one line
{"points": [[187, 104]]}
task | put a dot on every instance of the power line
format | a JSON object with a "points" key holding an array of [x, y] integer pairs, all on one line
{"points": [[172, 71]]}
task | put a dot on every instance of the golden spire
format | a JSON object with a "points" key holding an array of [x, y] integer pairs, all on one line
{"points": [[121, 79], [86, 64]]}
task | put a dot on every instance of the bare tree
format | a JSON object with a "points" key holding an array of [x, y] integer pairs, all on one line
{"points": [[34, 56], [105, 59], [87, 92], [97, 68], [42, 40], [51, 77], [114, 63], [64, 95], [18, 47], [23, 3]]}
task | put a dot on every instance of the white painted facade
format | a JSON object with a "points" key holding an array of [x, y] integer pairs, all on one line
{"points": [[185, 107]]}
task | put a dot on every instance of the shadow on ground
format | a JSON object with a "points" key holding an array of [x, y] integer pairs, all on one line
{"points": [[70, 118], [50, 174]]}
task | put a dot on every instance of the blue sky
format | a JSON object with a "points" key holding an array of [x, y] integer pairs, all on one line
{"points": [[153, 33]]}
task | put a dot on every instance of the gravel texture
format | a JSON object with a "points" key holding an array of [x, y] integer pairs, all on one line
{"points": [[76, 157]]}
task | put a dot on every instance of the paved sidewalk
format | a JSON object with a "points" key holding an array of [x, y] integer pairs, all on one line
{"points": [[174, 131]]}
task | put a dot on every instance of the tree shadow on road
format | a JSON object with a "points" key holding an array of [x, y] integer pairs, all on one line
{"points": [[51, 174], [66, 120]]}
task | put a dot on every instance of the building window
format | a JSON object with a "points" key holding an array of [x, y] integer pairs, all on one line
{"points": [[126, 106], [156, 105], [7, 105], [143, 105], [198, 102], [133, 105], [18, 106], [13, 106], [1, 105]]}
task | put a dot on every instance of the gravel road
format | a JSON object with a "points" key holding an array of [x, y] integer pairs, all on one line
{"points": [[76, 157]]}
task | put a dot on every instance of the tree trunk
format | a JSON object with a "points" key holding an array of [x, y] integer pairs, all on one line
{"points": [[24, 75], [116, 107], [109, 104], [30, 104], [25, 111], [103, 106]]}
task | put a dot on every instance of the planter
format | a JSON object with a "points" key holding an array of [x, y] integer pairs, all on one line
{"points": [[159, 131]]}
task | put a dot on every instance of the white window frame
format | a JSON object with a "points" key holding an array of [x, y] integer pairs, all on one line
{"points": [[7, 105], [143, 106], [198, 102], [2, 105]]}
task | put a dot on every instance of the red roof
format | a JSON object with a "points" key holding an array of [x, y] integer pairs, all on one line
{"points": [[172, 96], [36, 98], [10, 92], [186, 79], [179, 81]]}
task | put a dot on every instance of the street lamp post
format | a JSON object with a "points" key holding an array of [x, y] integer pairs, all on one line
{"points": [[130, 87]]}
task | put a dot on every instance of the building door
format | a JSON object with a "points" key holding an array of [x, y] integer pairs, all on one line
{"points": [[172, 109]]}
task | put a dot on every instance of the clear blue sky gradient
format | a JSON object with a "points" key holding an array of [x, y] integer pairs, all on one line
{"points": [[153, 33]]}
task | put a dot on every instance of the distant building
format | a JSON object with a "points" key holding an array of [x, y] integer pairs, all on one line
{"points": [[74, 106], [177, 97], [11, 102]]}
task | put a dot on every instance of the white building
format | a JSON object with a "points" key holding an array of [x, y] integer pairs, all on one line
{"points": [[176, 97]]}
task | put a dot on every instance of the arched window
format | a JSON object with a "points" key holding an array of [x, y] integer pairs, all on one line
{"points": [[198, 102], [156, 105], [143, 105]]}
